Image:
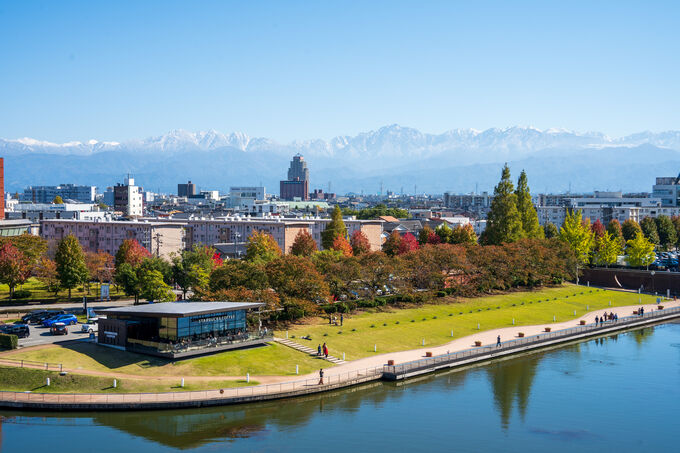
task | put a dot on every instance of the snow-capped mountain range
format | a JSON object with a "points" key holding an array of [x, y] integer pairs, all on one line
{"points": [[389, 140], [460, 160]]}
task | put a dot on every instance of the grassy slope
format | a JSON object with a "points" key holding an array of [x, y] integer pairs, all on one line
{"points": [[23, 379], [400, 333], [267, 360], [38, 291]]}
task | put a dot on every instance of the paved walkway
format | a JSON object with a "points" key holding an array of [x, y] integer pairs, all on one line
{"points": [[487, 337]]}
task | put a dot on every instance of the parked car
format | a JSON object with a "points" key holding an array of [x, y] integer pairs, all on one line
{"points": [[89, 328], [37, 316], [58, 328], [20, 330], [66, 319]]}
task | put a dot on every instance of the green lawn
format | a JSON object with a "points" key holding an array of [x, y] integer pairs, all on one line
{"points": [[39, 291], [273, 359], [397, 330], [24, 379]]}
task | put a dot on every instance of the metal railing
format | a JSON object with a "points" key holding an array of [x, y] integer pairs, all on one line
{"points": [[195, 345], [481, 351], [298, 387]]}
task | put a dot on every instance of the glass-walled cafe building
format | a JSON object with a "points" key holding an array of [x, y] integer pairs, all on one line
{"points": [[179, 329]]}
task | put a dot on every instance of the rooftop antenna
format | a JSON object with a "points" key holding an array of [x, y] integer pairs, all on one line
{"points": [[381, 188], [476, 188]]}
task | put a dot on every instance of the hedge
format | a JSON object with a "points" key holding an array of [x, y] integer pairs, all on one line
{"points": [[9, 341]]}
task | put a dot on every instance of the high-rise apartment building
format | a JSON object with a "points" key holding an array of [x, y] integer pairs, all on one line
{"points": [[297, 184], [128, 198]]}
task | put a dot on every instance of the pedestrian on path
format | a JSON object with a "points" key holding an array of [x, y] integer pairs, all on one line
{"points": [[498, 341], [597, 320], [318, 350], [320, 376], [325, 350], [342, 318]]}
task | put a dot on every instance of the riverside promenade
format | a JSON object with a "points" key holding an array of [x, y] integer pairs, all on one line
{"points": [[459, 352]]}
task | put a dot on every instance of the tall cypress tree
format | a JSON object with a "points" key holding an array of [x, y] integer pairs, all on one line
{"points": [[504, 223], [336, 227], [527, 212]]}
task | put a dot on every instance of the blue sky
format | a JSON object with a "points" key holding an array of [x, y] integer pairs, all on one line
{"points": [[298, 70]]}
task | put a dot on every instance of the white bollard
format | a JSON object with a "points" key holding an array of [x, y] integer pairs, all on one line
{"points": [[588, 284], [452, 333], [343, 356], [610, 303], [297, 369], [513, 321], [423, 341], [182, 384], [48, 382], [248, 378], [574, 312], [587, 307], [286, 334], [554, 318], [115, 383], [375, 348], [477, 326]]}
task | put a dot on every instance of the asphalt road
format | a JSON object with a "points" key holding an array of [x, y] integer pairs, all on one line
{"points": [[41, 335]]}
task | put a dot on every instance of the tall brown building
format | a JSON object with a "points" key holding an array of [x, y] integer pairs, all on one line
{"points": [[2, 188], [297, 184]]}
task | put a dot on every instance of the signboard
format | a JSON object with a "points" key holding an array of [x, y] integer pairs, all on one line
{"points": [[105, 292]]}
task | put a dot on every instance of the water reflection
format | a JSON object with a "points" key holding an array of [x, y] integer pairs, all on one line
{"points": [[511, 383]]}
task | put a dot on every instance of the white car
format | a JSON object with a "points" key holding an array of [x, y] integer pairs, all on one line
{"points": [[89, 328]]}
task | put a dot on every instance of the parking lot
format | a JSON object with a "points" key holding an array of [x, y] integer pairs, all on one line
{"points": [[41, 335]]}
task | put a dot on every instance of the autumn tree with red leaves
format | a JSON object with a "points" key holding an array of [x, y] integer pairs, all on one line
{"points": [[341, 245], [14, 267], [360, 243], [407, 244], [304, 244]]}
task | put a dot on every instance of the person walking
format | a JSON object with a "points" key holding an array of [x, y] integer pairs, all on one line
{"points": [[318, 350], [325, 350], [498, 341], [342, 318], [597, 320], [320, 376]]}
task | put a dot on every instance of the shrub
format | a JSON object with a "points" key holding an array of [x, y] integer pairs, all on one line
{"points": [[329, 308], [21, 294], [367, 303], [441, 293], [9, 341]]}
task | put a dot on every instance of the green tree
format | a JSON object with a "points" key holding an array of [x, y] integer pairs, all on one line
{"points": [[14, 267], [577, 235], [391, 245], [190, 266], [58, 200], [550, 230], [676, 223], [504, 223], [607, 249], [262, 248], [532, 229], [304, 244], [126, 277], [46, 271], [238, 274], [33, 247], [630, 229], [640, 251], [71, 266], [667, 235], [614, 228], [648, 226], [336, 227], [463, 234], [444, 232], [153, 287]]}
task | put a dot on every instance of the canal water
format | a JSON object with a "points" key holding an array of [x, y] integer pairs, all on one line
{"points": [[620, 393]]}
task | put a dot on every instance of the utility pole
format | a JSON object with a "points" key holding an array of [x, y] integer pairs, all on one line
{"points": [[157, 238]]}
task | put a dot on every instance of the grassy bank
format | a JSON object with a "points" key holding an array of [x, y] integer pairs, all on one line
{"points": [[24, 379], [39, 292], [273, 359], [397, 330]]}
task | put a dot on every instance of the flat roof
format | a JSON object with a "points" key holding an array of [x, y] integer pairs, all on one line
{"points": [[181, 309]]}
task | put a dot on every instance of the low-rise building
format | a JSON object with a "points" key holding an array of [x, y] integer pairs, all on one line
{"points": [[160, 238]]}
